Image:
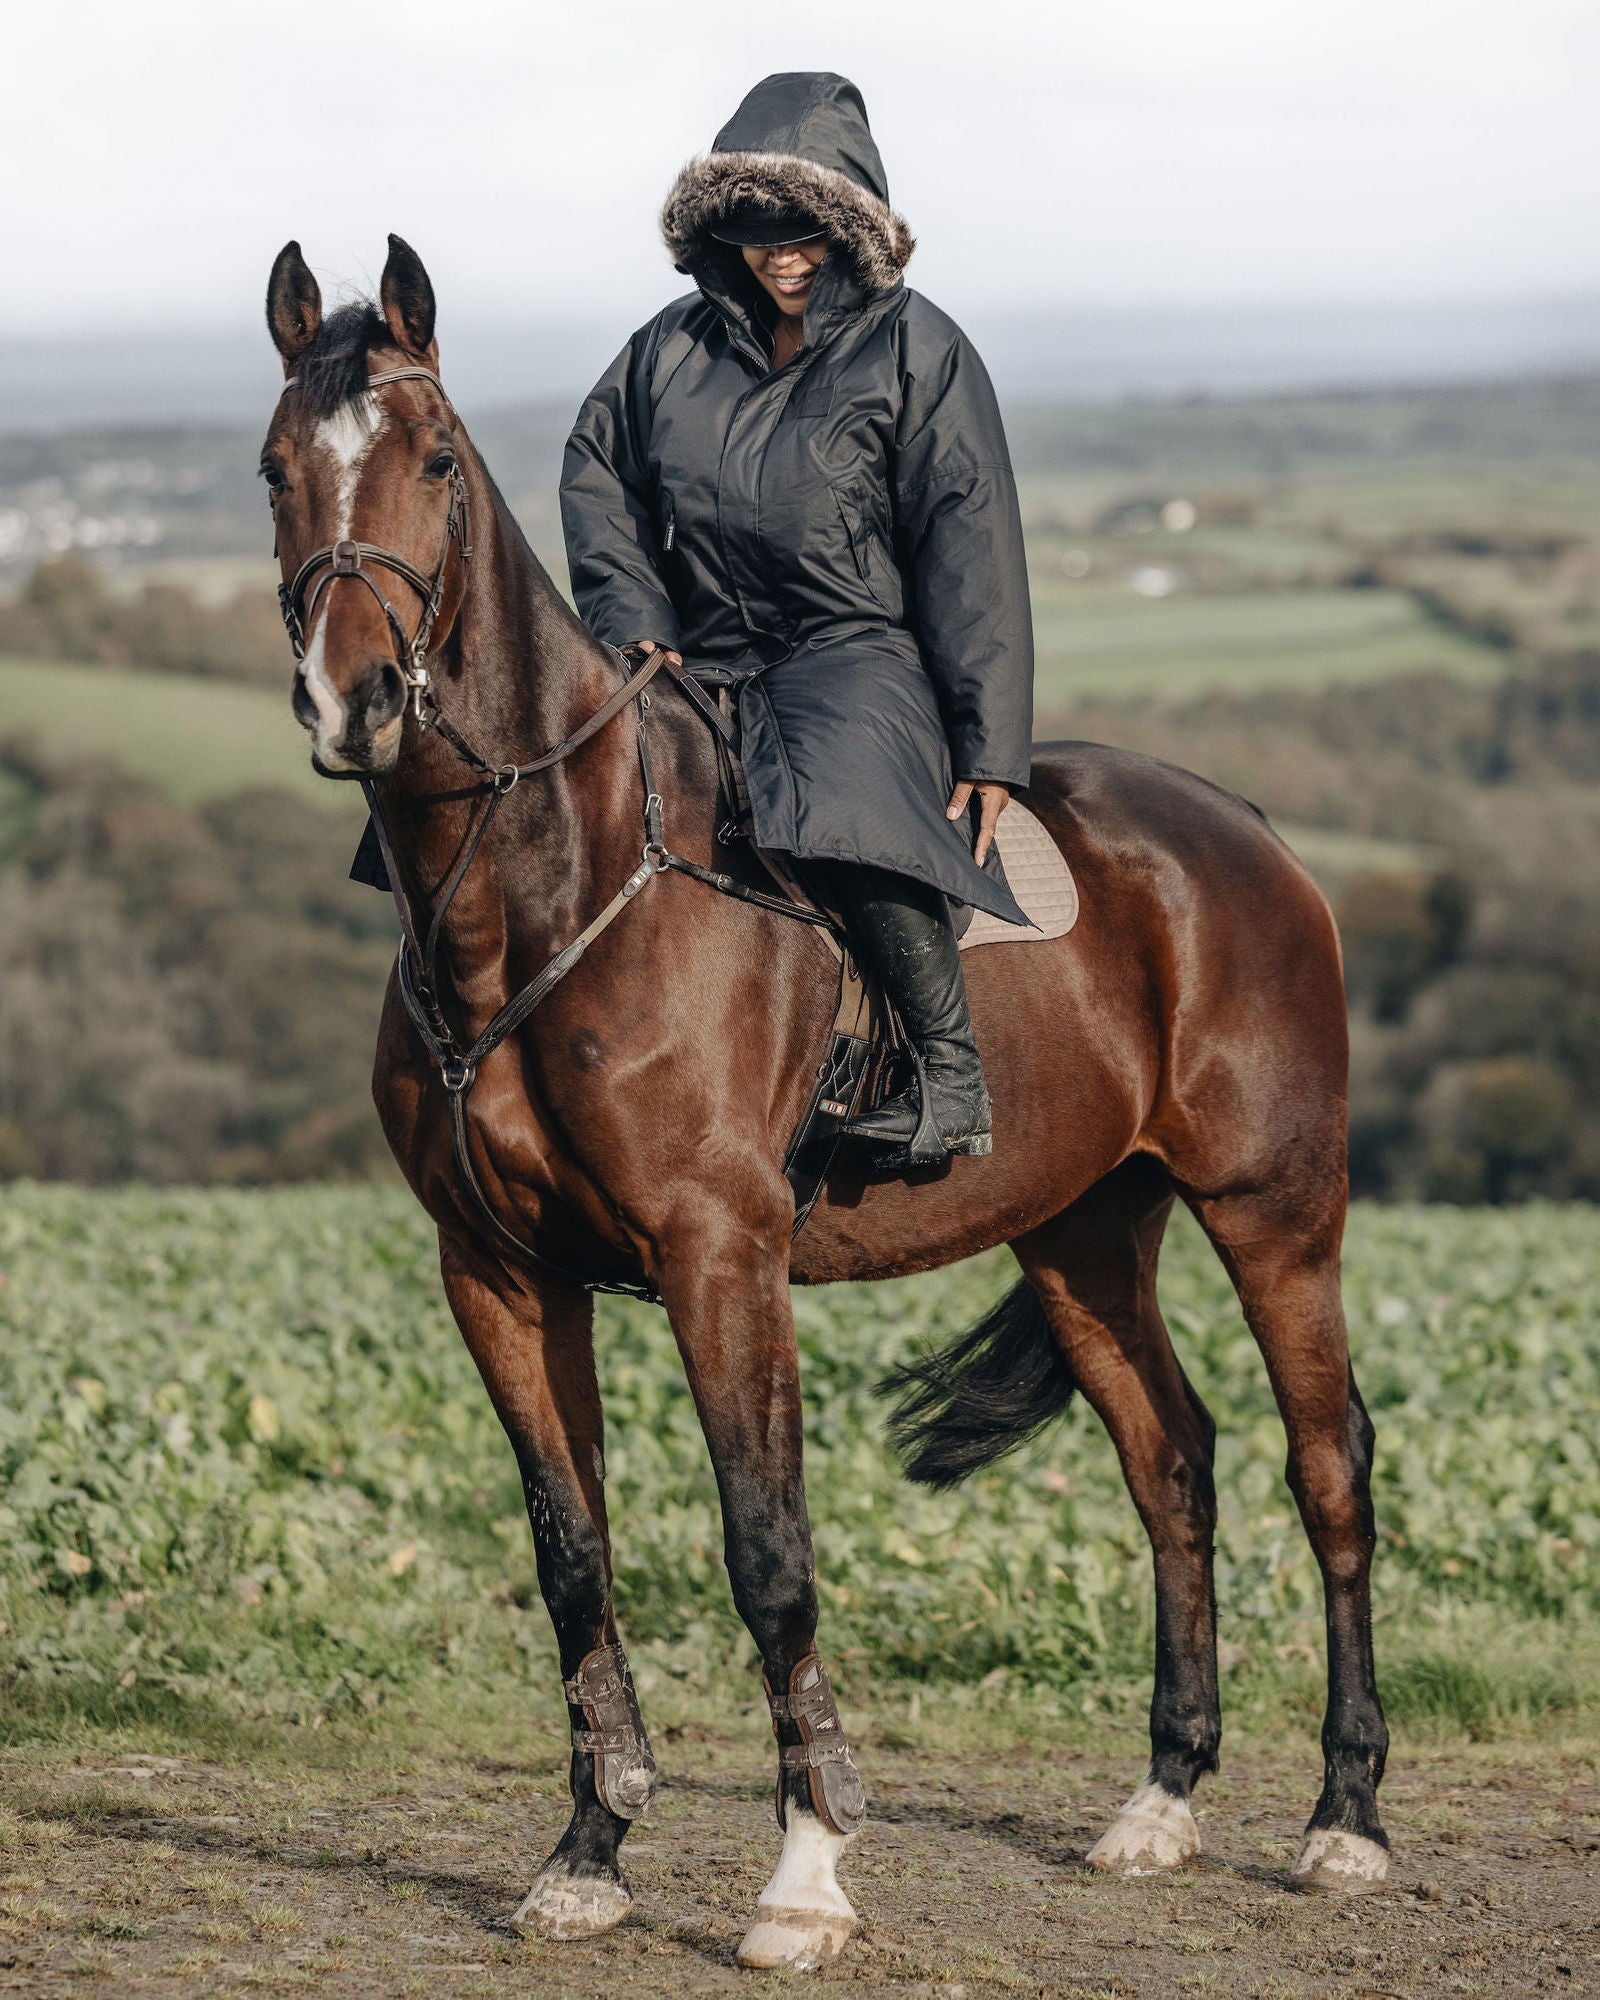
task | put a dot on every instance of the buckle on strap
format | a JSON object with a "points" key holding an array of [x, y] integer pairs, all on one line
{"points": [[812, 1756], [456, 1074], [615, 1742], [591, 1687], [345, 558]]}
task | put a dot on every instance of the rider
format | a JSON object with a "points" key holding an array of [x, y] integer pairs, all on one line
{"points": [[797, 474]]}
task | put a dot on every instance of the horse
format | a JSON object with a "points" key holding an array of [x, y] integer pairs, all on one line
{"points": [[627, 1128]]}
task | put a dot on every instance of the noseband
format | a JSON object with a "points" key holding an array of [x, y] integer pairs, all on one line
{"points": [[298, 599]]}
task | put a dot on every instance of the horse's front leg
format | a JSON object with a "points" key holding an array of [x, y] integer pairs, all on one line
{"points": [[728, 1299], [533, 1344]]}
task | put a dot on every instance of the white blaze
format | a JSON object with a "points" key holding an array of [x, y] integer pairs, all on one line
{"points": [[347, 437]]}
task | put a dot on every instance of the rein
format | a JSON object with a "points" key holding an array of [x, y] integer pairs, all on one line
{"points": [[416, 965]]}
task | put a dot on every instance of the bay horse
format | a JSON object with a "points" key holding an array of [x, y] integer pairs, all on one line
{"points": [[1186, 1041]]}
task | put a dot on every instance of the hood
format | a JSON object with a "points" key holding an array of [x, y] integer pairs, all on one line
{"points": [[800, 140]]}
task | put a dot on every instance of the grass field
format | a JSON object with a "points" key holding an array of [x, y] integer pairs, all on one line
{"points": [[248, 1467], [1102, 638], [196, 738], [281, 1709]]}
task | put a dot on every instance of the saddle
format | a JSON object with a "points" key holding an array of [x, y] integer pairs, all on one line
{"points": [[867, 1055]]}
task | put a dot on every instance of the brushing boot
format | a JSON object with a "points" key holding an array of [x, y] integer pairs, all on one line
{"points": [[904, 933]]}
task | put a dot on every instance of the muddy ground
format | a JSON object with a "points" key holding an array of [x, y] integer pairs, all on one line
{"points": [[393, 1873]]}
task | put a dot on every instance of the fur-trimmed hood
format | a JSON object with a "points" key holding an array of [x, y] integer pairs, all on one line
{"points": [[800, 140]]}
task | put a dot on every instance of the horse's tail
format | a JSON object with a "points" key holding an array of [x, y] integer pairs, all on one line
{"points": [[982, 1396]]}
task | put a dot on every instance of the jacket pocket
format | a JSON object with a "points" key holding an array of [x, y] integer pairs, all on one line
{"points": [[813, 398], [866, 551]]}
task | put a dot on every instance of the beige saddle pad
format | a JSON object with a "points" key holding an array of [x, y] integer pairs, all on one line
{"points": [[1040, 880]]}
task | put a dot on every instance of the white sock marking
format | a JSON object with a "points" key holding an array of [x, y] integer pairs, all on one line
{"points": [[803, 1918], [804, 1877]]}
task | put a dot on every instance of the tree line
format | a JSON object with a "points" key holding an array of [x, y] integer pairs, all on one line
{"points": [[190, 994]]}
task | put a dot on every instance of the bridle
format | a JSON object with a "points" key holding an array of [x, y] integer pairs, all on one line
{"points": [[416, 967], [298, 599]]}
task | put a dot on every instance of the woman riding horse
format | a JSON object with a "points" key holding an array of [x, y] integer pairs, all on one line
{"points": [[556, 1078], [797, 476]]}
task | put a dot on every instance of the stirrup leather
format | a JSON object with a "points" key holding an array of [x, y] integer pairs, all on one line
{"points": [[624, 1770], [838, 1796]]}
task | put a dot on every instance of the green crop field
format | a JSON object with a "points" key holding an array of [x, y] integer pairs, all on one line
{"points": [[196, 738], [246, 1468], [1100, 638]]}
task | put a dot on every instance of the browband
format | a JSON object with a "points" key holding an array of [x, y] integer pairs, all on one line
{"points": [[391, 375]]}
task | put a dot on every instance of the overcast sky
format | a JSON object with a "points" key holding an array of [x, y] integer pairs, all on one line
{"points": [[156, 153]]}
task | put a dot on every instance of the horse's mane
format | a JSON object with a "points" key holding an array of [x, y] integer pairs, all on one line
{"points": [[333, 369]]}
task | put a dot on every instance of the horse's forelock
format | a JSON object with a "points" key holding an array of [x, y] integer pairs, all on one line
{"points": [[332, 372]]}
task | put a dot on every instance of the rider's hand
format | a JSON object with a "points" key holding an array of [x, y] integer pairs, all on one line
{"points": [[655, 646], [992, 802]]}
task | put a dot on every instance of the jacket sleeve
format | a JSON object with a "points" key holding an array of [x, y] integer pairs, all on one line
{"points": [[960, 534], [608, 514]]}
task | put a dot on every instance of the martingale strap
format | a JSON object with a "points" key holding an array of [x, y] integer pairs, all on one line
{"points": [[839, 1077]]}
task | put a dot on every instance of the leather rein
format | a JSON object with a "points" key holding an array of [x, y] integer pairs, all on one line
{"points": [[457, 1061]]}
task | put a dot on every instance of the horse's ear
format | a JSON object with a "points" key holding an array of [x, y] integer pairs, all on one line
{"points": [[407, 298], [294, 304]]}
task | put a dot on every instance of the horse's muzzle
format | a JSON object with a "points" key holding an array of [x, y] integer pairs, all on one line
{"points": [[367, 737]]}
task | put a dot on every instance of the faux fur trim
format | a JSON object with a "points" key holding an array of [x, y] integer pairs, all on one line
{"points": [[869, 232]]}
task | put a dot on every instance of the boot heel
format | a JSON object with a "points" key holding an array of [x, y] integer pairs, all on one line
{"points": [[978, 1147]]}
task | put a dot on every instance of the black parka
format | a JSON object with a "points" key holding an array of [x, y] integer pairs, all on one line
{"points": [[839, 535]]}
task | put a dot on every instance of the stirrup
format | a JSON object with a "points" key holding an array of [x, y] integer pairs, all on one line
{"points": [[927, 1146]]}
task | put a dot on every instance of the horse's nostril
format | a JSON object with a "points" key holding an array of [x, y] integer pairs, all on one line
{"points": [[381, 695], [305, 708]]}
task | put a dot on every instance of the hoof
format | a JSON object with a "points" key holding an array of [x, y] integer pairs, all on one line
{"points": [[1336, 1863], [1153, 1832], [562, 1906], [801, 1939]]}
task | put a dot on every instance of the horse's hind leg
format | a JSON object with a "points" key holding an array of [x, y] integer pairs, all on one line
{"points": [[1094, 1269], [534, 1348], [1281, 1248]]}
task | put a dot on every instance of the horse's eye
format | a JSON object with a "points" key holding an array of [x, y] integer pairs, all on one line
{"points": [[273, 475], [440, 466]]}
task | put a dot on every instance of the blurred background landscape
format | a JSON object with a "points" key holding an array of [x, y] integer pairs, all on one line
{"points": [[1295, 317], [1373, 609]]}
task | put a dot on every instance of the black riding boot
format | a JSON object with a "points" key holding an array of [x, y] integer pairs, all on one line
{"points": [[905, 935]]}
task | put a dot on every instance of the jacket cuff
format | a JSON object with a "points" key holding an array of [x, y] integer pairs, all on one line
{"points": [[1009, 779], [621, 626]]}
